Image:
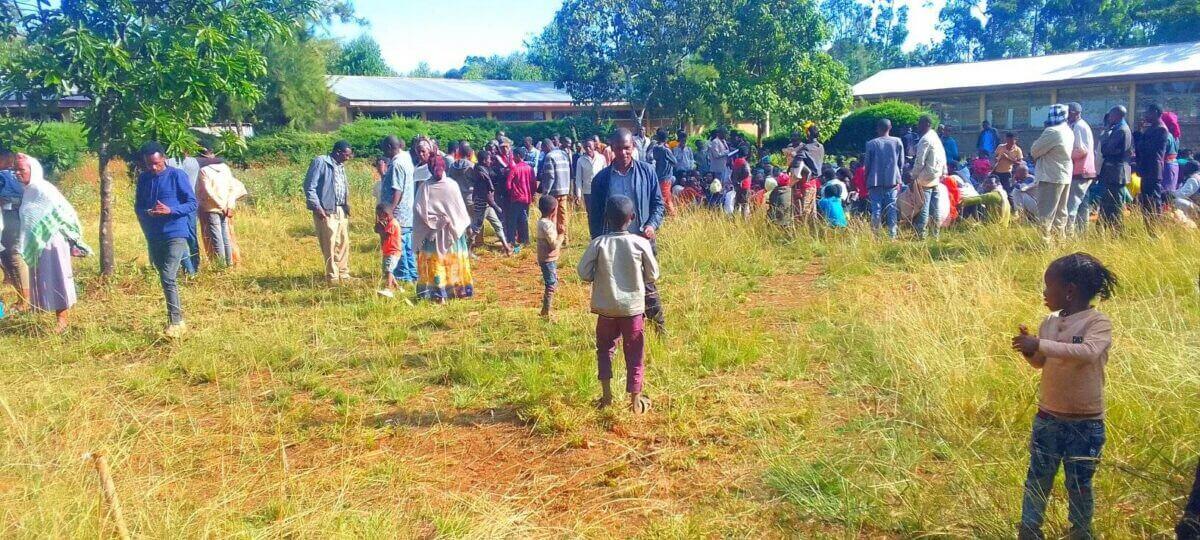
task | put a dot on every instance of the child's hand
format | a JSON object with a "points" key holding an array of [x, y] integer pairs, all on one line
{"points": [[1025, 343]]}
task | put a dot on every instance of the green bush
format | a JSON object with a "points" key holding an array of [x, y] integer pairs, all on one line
{"points": [[365, 134], [58, 145], [859, 126], [288, 146]]}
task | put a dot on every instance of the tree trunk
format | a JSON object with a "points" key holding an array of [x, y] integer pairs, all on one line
{"points": [[107, 254]]}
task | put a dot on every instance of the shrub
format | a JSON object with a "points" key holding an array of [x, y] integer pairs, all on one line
{"points": [[365, 134], [59, 146], [287, 146], [859, 126]]}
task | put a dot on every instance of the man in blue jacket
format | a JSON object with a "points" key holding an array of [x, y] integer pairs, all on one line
{"points": [[638, 181], [327, 195], [164, 203]]}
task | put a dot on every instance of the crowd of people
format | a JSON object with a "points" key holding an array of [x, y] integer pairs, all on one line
{"points": [[432, 203]]}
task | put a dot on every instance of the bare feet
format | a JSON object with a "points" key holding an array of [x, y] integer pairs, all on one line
{"points": [[604, 402]]}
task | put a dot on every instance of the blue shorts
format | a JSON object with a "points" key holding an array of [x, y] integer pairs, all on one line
{"points": [[390, 262]]}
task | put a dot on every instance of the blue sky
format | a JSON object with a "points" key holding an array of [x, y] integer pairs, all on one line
{"points": [[444, 33]]}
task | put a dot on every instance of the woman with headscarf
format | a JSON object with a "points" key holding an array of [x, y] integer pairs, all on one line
{"points": [[440, 223], [50, 236], [1170, 175]]}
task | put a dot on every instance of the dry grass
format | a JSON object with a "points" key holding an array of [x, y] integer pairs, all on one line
{"points": [[811, 386]]}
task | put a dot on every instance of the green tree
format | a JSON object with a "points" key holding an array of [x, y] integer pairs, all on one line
{"points": [[772, 69], [424, 71], [984, 30], [513, 67], [359, 56], [153, 68], [866, 48], [604, 51]]}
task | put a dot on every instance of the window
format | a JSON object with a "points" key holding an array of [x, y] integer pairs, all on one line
{"points": [[1180, 97], [450, 116], [959, 112], [520, 116], [1096, 100], [1018, 110]]}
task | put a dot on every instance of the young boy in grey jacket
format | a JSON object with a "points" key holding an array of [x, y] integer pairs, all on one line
{"points": [[619, 265]]}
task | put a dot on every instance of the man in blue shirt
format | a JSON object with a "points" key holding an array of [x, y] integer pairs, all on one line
{"points": [[396, 192], [164, 202], [949, 144], [637, 180], [16, 272], [988, 139]]}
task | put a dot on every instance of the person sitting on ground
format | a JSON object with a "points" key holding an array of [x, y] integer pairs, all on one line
{"points": [[780, 209], [839, 182], [1187, 197], [1024, 202], [981, 167], [549, 245], [619, 265], [1071, 350], [991, 206], [391, 246], [831, 207]]}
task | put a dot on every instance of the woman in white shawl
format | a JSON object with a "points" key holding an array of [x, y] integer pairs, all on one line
{"points": [[440, 222], [50, 236]]}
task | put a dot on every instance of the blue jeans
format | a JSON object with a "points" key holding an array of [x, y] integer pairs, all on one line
{"points": [[191, 259], [406, 270], [550, 275], [517, 227], [167, 256], [1078, 211], [928, 209], [1076, 445], [882, 205]]}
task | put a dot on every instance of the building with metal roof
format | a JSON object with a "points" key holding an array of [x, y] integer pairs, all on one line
{"points": [[1013, 94], [455, 99]]}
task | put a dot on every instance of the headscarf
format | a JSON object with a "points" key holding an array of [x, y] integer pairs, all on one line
{"points": [[439, 213], [1057, 115], [1171, 120], [44, 214]]}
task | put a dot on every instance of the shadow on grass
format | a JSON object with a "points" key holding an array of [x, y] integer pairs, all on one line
{"points": [[485, 417], [314, 282]]}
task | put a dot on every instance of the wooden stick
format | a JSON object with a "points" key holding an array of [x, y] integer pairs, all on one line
{"points": [[109, 490]]}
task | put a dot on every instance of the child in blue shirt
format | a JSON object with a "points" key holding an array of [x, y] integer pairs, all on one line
{"points": [[830, 206]]}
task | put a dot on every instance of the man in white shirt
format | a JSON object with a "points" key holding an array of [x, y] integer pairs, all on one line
{"points": [[1083, 167], [1052, 154], [590, 162], [929, 168]]}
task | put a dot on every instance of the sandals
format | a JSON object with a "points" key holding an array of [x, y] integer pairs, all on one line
{"points": [[603, 403], [641, 406]]}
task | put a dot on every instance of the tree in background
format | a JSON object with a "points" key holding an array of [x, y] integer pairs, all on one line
{"points": [[771, 69], [424, 71], [513, 67], [604, 51], [985, 30], [359, 56], [153, 68], [866, 36]]}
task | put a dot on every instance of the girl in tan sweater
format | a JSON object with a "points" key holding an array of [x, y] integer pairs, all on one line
{"points": [[1071, 349]]}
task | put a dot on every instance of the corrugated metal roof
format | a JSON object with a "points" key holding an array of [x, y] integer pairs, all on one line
{"points": [[403, 89], [1110, 64]]}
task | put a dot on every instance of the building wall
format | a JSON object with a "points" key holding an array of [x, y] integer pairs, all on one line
{"points": [[1023, 110]]}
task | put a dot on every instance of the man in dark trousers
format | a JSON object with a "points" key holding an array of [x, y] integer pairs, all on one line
{"points": [[1152, 150], [1116, 147], [638, 181]]}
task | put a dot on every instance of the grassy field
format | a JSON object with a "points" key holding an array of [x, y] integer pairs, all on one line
{"points": [[811, 386]]}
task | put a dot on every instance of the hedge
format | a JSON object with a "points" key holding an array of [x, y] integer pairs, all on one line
{"points": [[859, 126], [59, 146], [364, 135]]}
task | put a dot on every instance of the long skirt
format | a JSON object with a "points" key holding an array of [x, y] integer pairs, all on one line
{"points": [[52, 284], [442, 276]]}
